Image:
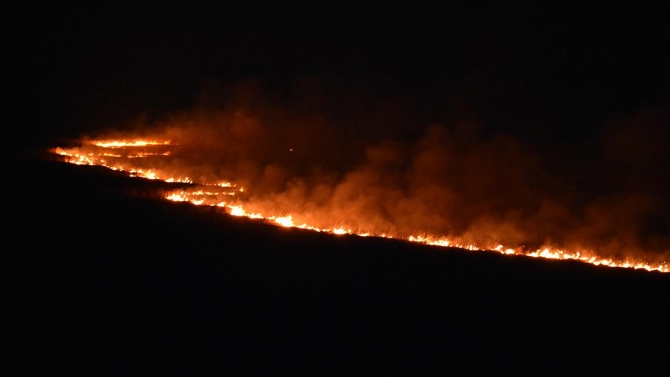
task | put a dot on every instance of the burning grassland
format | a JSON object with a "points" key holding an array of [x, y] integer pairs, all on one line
{"points": [[355, 165], [420, 193]]}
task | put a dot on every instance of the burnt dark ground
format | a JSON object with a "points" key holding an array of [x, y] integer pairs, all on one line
{"points": [[107, 278]]}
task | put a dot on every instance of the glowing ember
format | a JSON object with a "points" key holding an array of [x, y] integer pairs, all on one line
{"points": [[213, 195]]}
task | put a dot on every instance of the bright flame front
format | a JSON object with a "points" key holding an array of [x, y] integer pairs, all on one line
{"points": [[122, 155]]}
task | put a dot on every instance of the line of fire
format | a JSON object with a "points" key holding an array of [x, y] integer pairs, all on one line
{"points": [[138, 158]]}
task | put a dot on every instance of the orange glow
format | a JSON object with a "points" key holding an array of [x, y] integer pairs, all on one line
{"points": [[123, 143], [225, 194]]}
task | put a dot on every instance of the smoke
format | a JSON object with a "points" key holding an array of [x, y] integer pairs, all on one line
{"points": [[371, 160]]}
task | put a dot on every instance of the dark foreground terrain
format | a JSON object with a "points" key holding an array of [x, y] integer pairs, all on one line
{"points": [[106, 278]]}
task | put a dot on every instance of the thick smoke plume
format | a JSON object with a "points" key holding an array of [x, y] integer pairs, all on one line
{"points": [[334, 155]]}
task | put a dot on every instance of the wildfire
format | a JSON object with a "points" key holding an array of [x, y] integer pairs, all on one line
{"points": [[223, 194], [124, 144]]}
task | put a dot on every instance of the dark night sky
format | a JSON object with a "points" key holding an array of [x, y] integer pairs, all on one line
{"points": [[580, 85], [541, 72], [583, 87]]}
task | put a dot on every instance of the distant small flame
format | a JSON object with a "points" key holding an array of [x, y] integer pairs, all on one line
{"points": [[123, 143]]}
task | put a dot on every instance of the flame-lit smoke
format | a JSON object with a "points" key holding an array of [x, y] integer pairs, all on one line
{"points": [[451, 186]]}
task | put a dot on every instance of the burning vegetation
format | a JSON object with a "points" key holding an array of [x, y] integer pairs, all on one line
{"points": [[372, 200], [331, 161]]}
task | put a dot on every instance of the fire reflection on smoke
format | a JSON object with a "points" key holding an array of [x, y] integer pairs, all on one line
{"points": [[124, 155]]}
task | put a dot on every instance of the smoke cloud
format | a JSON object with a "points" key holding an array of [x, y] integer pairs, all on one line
{"points": [[373, 160]]}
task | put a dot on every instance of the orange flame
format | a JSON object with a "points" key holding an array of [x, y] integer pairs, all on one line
{"points": [[123, 143]]}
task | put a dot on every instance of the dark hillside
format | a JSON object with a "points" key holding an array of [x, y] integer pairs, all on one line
{"points": [[105, 277]]}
